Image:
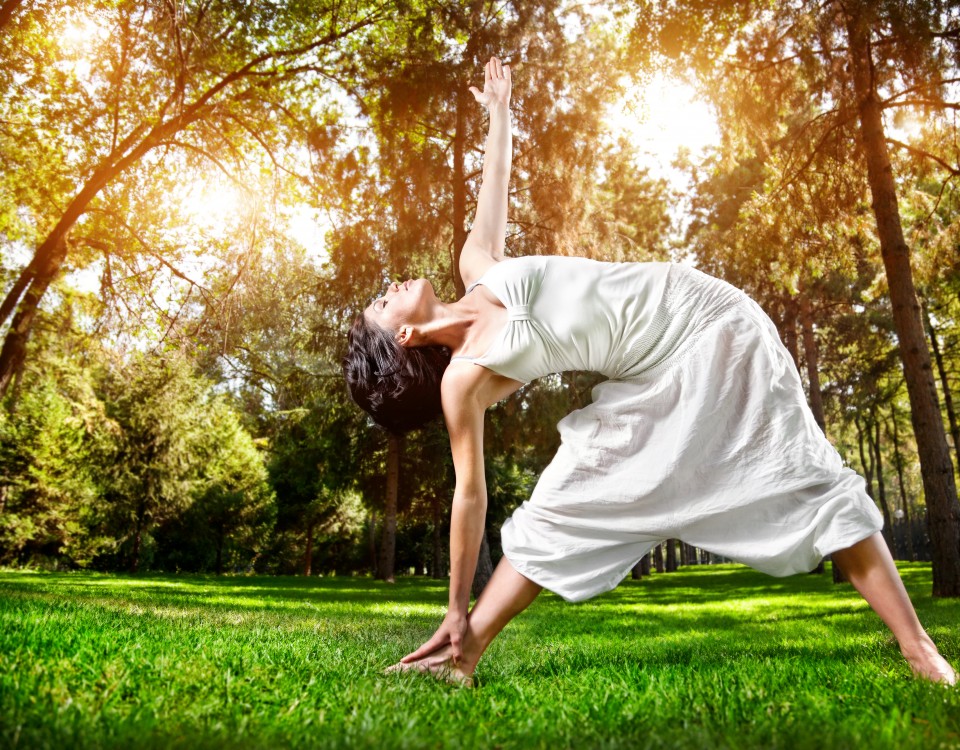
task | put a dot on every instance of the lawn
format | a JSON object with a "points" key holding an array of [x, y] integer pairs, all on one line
{"points": [[710, 657]]}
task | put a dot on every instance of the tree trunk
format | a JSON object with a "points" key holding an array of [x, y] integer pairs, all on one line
{"points": [[935, 463], [137, 541], [881, 487], [658, 558], [641, 569], [219, 563], [372, 546], [944, 383], [388, 544], [866, 464], [15, 344], [812, 356], [439, 569], [898, 462], [308, 555], [838, 576], [789, 332], [484, 568], [671, 555], [16, 292]]}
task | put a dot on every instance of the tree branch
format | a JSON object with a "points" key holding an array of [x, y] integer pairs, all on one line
{"points": [[841, 122], [206, 155], [921, 87], [936, 103], [954, 171], [151, 251], [7, 9], [760, 68]]}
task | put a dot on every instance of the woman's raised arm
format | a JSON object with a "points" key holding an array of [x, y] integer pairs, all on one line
{"points": [[484, 245]]}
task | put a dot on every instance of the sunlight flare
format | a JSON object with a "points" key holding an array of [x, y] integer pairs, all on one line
{"points": [[210, 201], [663, 116], [79, 37]]}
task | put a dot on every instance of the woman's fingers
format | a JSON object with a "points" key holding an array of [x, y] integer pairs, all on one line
{"points": [[456, 651], [439, 668], [495, 75], [439, 639]]}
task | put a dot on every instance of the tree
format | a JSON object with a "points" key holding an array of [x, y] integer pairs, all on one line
{"points": [[388, 543], [48, 492], [856, 60], [234, 508], [156, 412], [408, 188], [939, 484], [167, 81]]}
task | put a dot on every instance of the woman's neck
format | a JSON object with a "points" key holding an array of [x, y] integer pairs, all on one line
{"points": [[452, 323]]}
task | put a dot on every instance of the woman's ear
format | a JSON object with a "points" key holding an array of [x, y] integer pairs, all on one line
{"points": [[405, 335]]}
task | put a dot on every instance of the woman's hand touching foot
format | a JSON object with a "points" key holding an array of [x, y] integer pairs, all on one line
{"points": [[441, 665]]}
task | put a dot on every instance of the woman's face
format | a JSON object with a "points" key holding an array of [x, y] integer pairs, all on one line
{"points": [[404, 303]]}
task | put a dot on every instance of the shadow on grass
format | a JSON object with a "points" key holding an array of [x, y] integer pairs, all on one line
{"points": [[719, 624], [241, 589], [712, 599]]}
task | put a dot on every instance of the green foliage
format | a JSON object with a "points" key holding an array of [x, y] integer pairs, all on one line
{"points": [[156, 411], [782, 208], [707, 657], [233, 511], [93, 459], [126, 125], [357, 115], [314, 468], [48, 510]]}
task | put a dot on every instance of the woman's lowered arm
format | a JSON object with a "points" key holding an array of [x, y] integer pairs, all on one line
{"points": [[463, 408]]}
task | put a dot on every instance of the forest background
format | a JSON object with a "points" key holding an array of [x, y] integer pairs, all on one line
{"points": [[198, 197]]}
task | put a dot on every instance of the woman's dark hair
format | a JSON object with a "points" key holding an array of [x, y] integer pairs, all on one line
{"points": [[399, 387]]}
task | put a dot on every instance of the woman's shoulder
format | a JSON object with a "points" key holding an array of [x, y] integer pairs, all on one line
{"points": [[511, 267], [532, 263], [541, 266], [466, 385]]}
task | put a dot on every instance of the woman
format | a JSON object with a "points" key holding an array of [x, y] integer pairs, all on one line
{"points": [[701, 433]]}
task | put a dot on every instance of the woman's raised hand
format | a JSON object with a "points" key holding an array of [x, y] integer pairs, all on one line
{"points": [[496, 84]]}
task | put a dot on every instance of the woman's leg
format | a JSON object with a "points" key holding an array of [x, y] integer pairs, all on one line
{"points": [[506, 595], [869, 567]]}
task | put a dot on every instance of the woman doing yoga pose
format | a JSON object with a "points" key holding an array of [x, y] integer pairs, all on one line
{"points": [[701, 433]]}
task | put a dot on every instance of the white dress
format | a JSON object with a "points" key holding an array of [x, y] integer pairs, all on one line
{"points": [[702, 432]]}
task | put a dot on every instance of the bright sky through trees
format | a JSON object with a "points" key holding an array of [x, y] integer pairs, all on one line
{"points": [[661, 116]]}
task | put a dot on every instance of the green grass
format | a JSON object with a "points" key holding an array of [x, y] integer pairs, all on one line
{"points": [[717, 657]]}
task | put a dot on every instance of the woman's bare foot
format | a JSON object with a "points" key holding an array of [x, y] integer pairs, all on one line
{"points": [[926, 662], [440, 665]]}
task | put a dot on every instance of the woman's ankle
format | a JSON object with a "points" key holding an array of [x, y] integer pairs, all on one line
{"points": [[918, 647], [926, 662]]}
